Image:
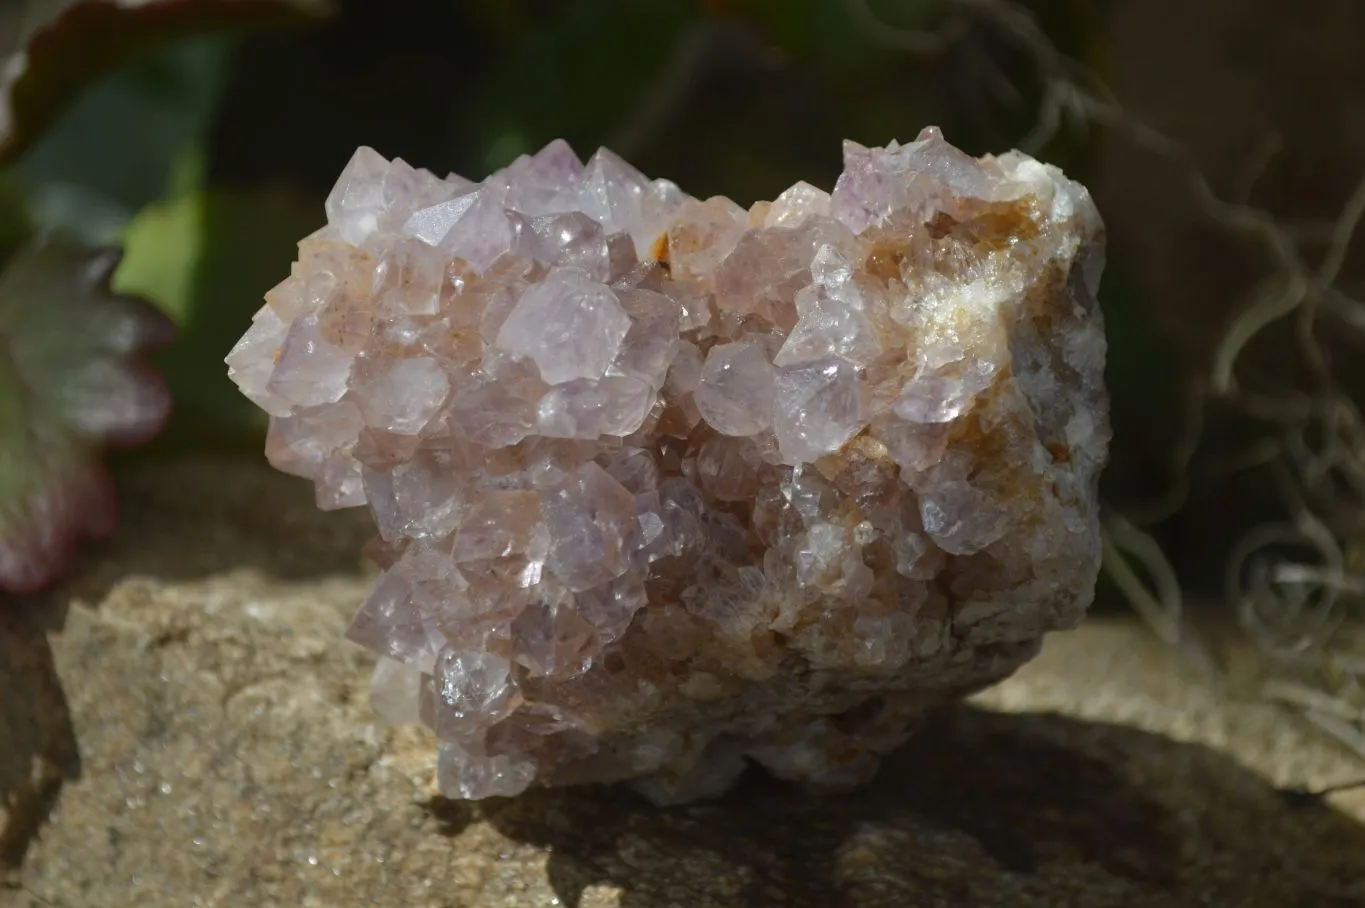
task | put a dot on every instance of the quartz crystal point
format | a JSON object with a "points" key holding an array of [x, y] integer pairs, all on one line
{"points": [[664, 486]]}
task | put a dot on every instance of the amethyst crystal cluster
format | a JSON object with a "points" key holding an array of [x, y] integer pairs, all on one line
{"points": [[663, 485]]}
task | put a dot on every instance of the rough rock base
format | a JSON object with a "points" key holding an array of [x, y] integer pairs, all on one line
{"points": [[228, 760]]}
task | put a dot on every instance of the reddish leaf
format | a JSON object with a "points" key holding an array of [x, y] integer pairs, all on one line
{"points": [[72, 385]]}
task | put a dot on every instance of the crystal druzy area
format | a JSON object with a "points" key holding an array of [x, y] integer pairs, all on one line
{"points": [[664, 486]]}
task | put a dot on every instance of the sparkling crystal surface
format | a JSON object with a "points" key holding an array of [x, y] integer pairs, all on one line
{"points": [[665, 485]]}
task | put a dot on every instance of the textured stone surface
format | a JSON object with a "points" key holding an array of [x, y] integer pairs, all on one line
{"points": [[229, 759], [664, 484]]}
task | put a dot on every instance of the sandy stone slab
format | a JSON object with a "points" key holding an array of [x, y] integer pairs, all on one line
{"points": [[227, 757]]}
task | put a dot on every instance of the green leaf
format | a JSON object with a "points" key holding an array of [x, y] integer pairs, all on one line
{"points": [[207, 260], [154, 117], [72, 384], [55, 48], [162, 249]]}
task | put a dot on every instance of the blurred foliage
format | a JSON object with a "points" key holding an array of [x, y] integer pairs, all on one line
{"points": [[15, 224], [169, 100], [207, 258], [606, 58], [55, 48], [71, 385], [96, 152]]}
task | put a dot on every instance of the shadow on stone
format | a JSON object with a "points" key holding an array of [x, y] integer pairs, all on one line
{"points": [[190, 520], [452, 817], [980, 809], [38, 750]]}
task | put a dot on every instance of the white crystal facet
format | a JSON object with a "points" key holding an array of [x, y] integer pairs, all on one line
{"points": [[570, 325], [405, 398], [357, 201], [796, 204], [819, 407], [735, 390]]}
